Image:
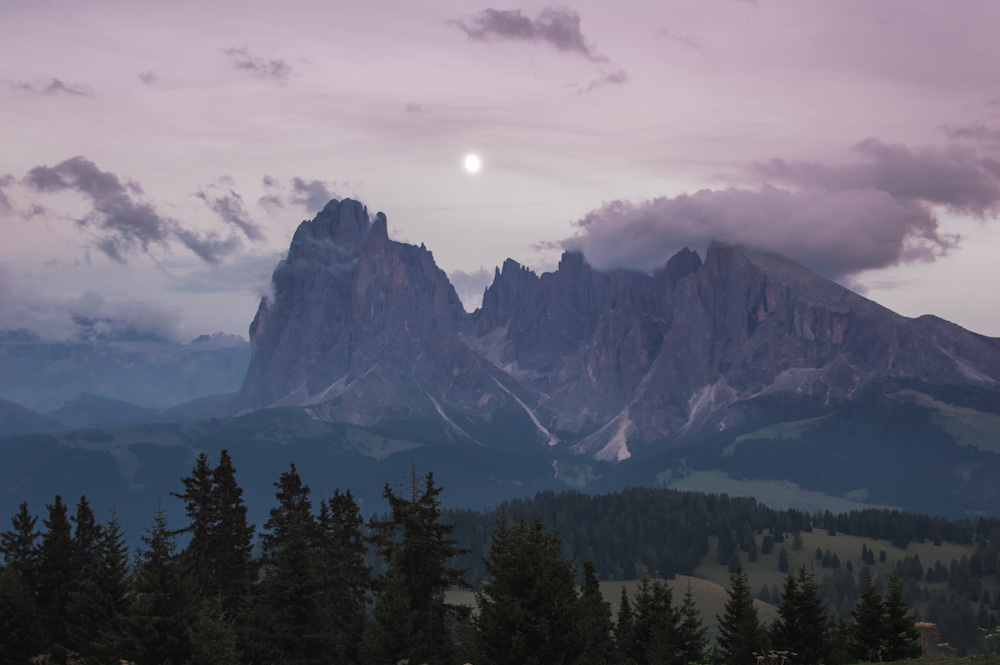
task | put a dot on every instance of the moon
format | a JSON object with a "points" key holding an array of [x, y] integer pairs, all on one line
{"points": [[472, 163]]}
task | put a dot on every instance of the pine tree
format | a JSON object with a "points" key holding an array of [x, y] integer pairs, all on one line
{"points": [[387, 635], [661, 623], [291, 615], [625, 631], [900, 634], [294, 508], [19, 547], [596, 629], [164, 601], [99, 607], [200, 509], [21, 635], [740, 632], [345, 577], [57, 561], [219, 554], [783, 560], [214, 635], [692, 636], [86, 536], [230, 537], [414, 539], [528, 608], [801, 625], [866, 629], [785, 626]]}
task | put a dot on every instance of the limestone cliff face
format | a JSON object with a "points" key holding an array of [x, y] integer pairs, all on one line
{"points": [[363, 329]]}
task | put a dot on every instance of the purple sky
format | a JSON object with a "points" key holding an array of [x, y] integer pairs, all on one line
{"points": [[157, 156]]}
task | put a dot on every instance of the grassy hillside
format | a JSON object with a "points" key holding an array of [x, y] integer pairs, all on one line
{"points": [[709, 597], [779, 494]]}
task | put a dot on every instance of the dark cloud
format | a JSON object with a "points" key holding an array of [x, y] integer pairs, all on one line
{"points": [[976, 133], [835, 233], [558, 27], [5, 204], [148, 77], [954, 176], [470, 286], [276, 70], [124, 225], [55, 87], [228, 205], [312, 195], [618, 77], [209, 247]]}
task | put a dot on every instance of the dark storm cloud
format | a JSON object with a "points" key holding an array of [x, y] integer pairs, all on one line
{"points": [[558, 27], [276, 70], [54, 87], [954, 176], [228, 205], [835, 233], [124, 225]]}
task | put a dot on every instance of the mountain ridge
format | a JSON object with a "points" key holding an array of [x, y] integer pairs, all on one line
{"points": [[367, 330]]}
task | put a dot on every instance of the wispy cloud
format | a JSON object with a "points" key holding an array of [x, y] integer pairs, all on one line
{"points": [[276, 69], [684, 40], [123, 223], [223, 200], [54, 87], [617, 77], [558, 27], [975, 133]]}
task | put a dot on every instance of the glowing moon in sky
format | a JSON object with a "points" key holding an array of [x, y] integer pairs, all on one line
{"points": [[472, 163]]}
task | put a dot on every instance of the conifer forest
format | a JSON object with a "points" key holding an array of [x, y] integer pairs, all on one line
{"points": [[319, 583]]}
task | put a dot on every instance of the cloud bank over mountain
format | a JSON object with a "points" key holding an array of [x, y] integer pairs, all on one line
{"points": [[878, 211]]}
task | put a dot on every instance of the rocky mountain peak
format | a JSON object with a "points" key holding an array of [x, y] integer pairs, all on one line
{"points": [[365, 329], [351, 309]]}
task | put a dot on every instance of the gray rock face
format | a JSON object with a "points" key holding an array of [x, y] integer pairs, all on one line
{"points": [[364, 329]]}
